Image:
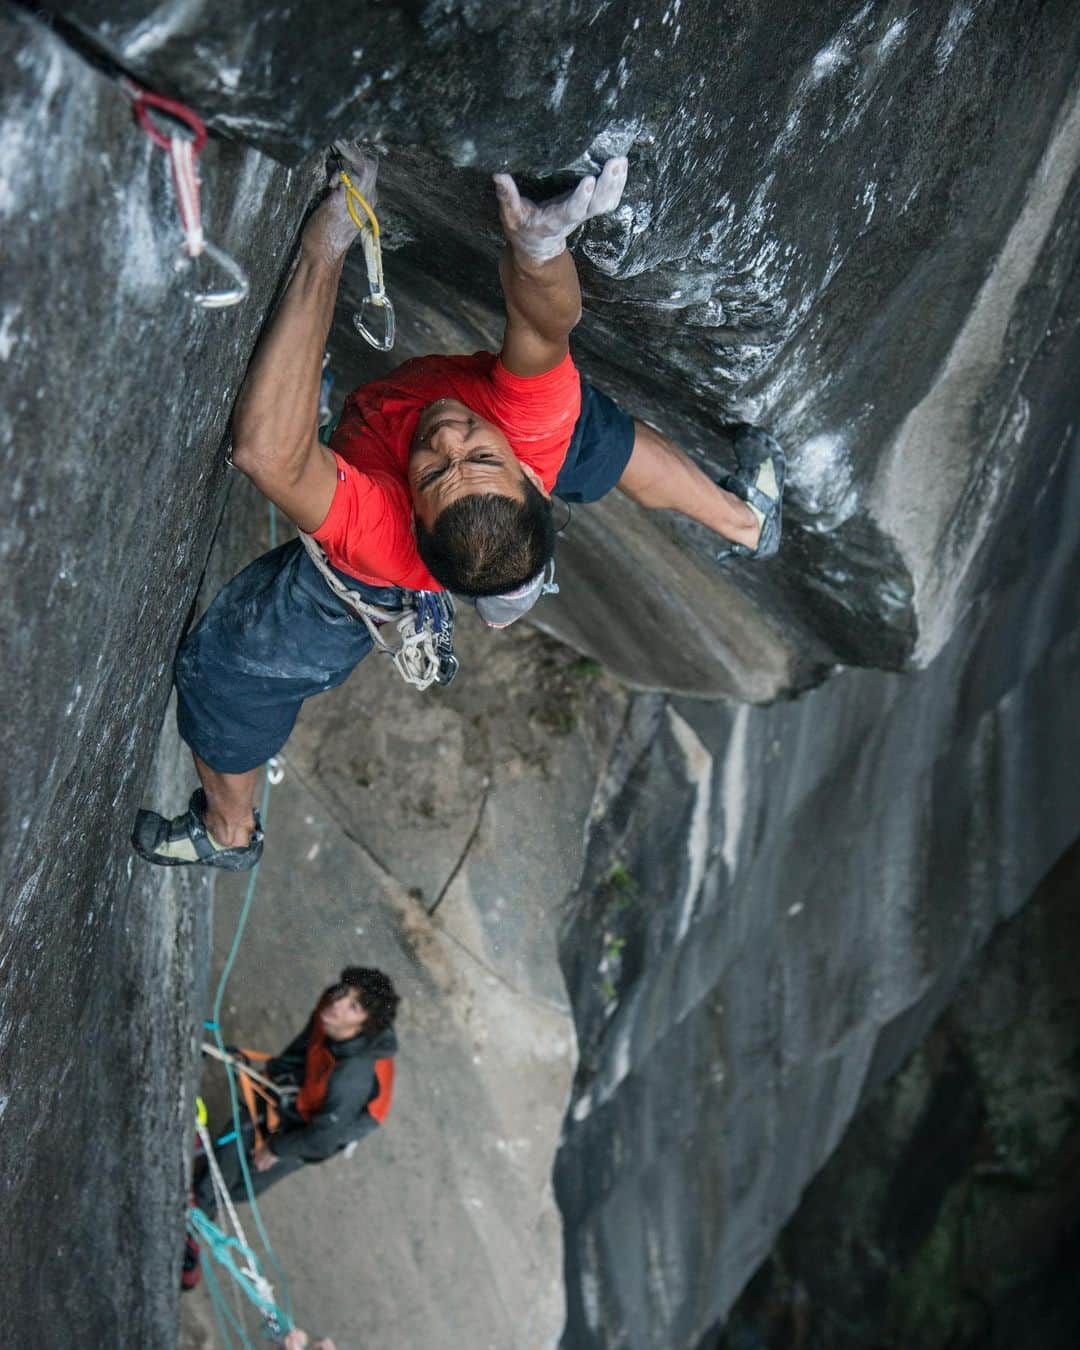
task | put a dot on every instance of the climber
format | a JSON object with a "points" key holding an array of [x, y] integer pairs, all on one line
{"points": [[438, 478], [340, 1066]]}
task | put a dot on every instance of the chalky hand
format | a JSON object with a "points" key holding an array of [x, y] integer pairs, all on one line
{"points": [[331, 230], [538, 231]]}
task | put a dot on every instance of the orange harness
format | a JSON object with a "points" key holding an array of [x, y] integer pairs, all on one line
{"points": [[253, 1092], [318, 1066]]}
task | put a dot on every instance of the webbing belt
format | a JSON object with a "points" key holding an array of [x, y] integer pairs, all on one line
{"points": [[425, 653]]}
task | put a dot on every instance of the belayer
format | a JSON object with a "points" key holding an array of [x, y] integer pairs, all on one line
{"points": [[438, 481], [335, 1080]]}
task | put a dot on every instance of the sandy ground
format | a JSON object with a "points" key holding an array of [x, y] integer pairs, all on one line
{"points": [[435, 836]]}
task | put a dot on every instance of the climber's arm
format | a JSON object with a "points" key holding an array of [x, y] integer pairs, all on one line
{"points": [[275, 437], [543, 306], [539, 279], [274, 428]]}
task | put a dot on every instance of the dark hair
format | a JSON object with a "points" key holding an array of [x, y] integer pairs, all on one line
{"points": [[487, 544], [377, 996]]}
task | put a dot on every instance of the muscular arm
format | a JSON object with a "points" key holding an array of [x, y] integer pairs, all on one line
{"points": [[275, 431], [543, 306], [275, 436], [539, 278]]}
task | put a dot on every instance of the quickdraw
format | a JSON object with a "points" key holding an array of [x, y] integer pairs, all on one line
{"points": [[184, 144], [425, 626], [368, 225]]}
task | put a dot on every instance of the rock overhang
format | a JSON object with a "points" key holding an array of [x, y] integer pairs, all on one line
{"points": [[816, 208]]}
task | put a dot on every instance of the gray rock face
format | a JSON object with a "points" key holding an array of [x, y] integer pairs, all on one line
{"points": [[853, 223], [777, 904], [858, 226], [115, 397], [947, 1216]]}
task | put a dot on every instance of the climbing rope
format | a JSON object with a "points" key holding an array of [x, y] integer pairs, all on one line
{"points": [[235, 1255], [241, 1067], [184, 145], [368, 225]]}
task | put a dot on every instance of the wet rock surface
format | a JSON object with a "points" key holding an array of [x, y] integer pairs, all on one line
{"points": [[116, 393], [858, 227], [856, 224]]}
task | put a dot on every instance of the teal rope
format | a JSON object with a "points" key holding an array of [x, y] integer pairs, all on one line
{"points": [[223, 1314], [213, 1024], [225, 1251]]}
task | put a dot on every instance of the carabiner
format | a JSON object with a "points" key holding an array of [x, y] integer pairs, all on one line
{"points": [[216, 299], [223, 299], [370, 242], [381, 301]]}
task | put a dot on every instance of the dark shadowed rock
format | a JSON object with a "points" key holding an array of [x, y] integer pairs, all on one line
{"points": [[947, 1216], [116, 393], [853, 223], [857, 225]]}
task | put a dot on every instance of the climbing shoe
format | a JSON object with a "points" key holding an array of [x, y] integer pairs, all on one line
{"points": [[191, 1270], [184, 840], [759, 481]]}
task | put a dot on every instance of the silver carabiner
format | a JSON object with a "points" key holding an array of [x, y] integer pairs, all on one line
{"points": [[217, 299], [376, 300]]}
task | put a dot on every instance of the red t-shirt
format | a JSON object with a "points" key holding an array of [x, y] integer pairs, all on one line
{"points": [[368, 530]]}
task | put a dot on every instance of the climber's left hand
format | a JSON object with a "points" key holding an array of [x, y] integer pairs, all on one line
{"points": [[539, 231]]}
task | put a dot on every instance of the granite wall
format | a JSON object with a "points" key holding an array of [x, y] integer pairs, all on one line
{"points": [[948, 1214], [116, 395], [857, 224]]}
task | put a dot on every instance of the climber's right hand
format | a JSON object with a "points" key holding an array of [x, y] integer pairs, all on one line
{"points": [[331, 230]]}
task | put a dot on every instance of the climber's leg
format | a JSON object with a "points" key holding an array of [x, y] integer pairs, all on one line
{"points": [[232, 1172], [275, 635], [660, 476], [187, 839], [612, 449], [230, 803]]}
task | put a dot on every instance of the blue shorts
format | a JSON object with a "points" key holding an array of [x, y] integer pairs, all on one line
{"points": [[273, 636], [599, 448], [276, 634]]}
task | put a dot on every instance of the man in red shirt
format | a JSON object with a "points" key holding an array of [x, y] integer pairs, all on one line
{"points": [[437, 479]]}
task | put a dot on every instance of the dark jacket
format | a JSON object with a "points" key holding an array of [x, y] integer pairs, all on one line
{"points": [[344, 1115]]}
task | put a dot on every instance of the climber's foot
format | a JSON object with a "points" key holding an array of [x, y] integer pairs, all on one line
{"points": [[185, 840], [759, 482]]}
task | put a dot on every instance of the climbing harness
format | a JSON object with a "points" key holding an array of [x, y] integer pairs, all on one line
{"points": [[425, 655], [240, 1062], [376, 297], [184, 144]]}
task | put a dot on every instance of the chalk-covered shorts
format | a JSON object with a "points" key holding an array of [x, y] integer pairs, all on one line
{"points": [[276, 633]]}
